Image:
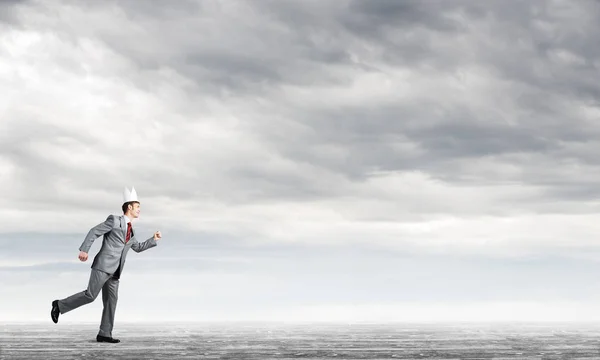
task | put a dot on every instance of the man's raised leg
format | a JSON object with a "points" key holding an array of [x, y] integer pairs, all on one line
{"points": [[97, 280]]}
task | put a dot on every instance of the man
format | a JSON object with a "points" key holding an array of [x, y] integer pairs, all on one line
{"points": [[107, 267]]}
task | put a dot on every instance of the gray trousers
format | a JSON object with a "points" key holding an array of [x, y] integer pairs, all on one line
{"points": [[99, 280]]}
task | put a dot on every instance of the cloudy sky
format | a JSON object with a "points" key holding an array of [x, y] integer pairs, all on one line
{"points": [[305, 160]]}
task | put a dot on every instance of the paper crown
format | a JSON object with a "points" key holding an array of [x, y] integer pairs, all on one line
{"points": [[129, 195]]}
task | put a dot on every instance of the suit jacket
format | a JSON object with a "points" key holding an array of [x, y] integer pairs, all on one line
{"points": [[113, 252]]}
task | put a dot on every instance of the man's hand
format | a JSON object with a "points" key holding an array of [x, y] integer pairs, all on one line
{"points": [[157, 235], [82, 256]]}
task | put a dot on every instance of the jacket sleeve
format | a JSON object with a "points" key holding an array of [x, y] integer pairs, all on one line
{"points": [[139, 247], [96, 232]]}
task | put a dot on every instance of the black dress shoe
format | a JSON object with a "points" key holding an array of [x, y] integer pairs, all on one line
{"points": [[100, 338], [55, 311]]}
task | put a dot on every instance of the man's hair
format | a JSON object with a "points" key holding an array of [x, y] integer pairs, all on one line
{"points": [[125, 205]]}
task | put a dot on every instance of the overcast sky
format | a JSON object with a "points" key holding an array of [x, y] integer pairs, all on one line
{"points": [[305, 160]]}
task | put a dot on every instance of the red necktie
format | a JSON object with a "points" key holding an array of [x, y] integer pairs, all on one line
{"points": [[128, 232]]}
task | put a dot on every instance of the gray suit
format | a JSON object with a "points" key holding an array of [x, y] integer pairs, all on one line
{"points": [[107, 268]]}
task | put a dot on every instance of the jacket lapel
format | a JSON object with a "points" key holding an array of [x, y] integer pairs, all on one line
{"points": [[123, 228]]}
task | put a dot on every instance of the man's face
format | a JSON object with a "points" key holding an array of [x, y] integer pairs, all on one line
{"points": [[135, 211]]}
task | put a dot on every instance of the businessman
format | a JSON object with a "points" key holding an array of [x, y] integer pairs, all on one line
{"points": [[107, 267]]}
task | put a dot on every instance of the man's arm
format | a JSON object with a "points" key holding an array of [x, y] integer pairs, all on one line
{"points": [[96, 232], [150, 243]]}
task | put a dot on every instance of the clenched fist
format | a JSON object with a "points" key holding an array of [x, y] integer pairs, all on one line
{"points": [[82, 256], [157, 235]]}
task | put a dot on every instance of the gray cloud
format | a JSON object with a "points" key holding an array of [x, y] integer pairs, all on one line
{"points": [[8, 9], [291, 103]]}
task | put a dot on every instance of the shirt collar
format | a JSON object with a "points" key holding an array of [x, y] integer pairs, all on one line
{"points": [[127, 220]]}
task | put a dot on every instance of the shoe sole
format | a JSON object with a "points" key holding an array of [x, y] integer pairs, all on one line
{"points": [[52, 314]]}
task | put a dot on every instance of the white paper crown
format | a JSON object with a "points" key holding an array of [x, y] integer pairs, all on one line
{"points": [[129, 195]]}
